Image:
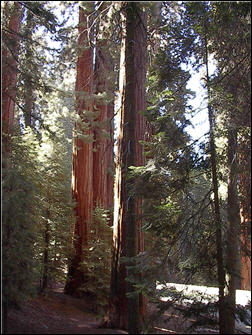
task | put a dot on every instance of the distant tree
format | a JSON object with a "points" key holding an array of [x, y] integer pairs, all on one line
{"points": [[226, 89], [10, 51]]}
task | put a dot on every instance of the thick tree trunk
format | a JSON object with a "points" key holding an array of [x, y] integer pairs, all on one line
{"points": [[92, 185], [118, 303], [103, 132], [82, 160], [126, 312], [245, 258], [245, 210]]}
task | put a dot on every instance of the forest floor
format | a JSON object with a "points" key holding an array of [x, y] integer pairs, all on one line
{"points": [[57, 313]]}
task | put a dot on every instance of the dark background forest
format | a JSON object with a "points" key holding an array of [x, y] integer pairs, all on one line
{"points": [[104, 188]]}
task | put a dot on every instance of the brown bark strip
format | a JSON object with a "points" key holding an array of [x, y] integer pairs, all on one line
{"points": [[245, 211], [103, 146], [82, 156]]}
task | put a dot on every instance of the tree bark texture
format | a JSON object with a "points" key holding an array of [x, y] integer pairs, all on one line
{"points": [[12, 17], [245, 210], [233, 234], [82, 156], [103, 132], [92, 184], [118, 302], [128, 240]]}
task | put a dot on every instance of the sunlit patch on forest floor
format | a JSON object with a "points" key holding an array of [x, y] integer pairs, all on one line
{"points": [[174, 319], [57, 313]]}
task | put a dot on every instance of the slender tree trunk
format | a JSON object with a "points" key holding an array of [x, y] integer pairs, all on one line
{"points": [[219, 248], [233, 233], [128, 312], [46, 253], [82, 156]]}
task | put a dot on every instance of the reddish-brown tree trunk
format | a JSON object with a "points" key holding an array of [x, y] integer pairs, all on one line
{"points": [[126, 312], [92, 185], [103, 132], [245, 211], [82, 156], [12, 17]]}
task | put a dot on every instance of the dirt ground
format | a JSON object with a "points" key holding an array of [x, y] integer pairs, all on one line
{"points": [[57, 313]]}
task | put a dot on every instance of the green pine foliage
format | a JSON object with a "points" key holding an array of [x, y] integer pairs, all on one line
{"points": [[57, 216], [37, 170], [20, 216], [97, 260]]}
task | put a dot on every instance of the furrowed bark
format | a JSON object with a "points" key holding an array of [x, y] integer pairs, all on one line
{"points": [[103, 133], [82, 156], [127, 312]]}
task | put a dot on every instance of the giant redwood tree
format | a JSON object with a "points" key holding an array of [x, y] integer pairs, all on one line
{"points": [[92, 157], [82, 155], [126, 309], [103, 129]]}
